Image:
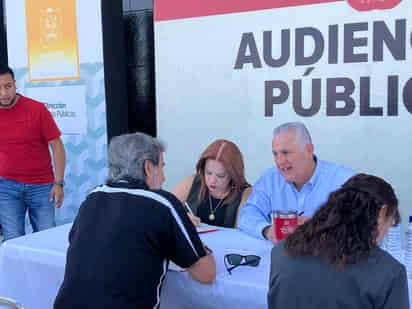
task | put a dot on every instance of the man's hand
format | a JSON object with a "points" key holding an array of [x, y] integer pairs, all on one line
{"points": [[269, 234], [57, 195], [302, 219]]}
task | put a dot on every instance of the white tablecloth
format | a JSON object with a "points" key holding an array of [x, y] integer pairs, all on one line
{"points": [[246, 287], [32, 269]]}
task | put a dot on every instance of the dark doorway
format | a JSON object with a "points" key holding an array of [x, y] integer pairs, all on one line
{"points": [[139, 41], [3, 41]]}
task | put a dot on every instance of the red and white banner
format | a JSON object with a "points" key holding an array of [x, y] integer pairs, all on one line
{"points": [[236, 69], [167, 10]]}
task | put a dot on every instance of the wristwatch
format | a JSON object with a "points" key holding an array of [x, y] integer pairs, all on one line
{"points": [[59, 183]]}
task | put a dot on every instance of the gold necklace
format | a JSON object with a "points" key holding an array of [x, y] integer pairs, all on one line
{"points": [[212, 216]]}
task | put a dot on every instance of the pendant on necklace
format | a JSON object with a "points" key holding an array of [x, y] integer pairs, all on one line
{"points": [[211, 217]]}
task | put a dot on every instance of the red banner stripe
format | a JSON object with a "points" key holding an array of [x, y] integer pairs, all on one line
{"points": [[176, 9]]}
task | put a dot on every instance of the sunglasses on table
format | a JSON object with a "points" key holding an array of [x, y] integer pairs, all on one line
{"points": [[234, 260]]}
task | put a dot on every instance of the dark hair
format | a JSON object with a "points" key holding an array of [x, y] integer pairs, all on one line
{"points": [[4, 69], [345, 228]]}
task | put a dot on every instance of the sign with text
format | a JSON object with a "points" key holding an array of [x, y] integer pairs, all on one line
{"points": [[236, 70], [67, 105], [52, 40]]}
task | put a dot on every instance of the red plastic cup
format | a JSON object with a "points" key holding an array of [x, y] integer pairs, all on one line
{"points": [[284, 224]]}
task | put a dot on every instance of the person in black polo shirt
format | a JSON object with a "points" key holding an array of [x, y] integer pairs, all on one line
{"points": [[127, 231]]}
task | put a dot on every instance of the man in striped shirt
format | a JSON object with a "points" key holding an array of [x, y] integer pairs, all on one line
{"points": [[126, 233]]}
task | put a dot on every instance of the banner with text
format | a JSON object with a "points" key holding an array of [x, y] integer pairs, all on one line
{"points": [[236, 70]]}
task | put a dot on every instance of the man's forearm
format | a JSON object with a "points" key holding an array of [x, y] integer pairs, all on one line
{"points": [[252, 221], [59, 159]]}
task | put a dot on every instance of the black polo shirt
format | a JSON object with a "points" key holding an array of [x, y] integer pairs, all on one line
{"points": [[120, 246]]}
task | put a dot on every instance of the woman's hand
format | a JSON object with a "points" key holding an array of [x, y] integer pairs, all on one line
{"points": [[195, 220]]}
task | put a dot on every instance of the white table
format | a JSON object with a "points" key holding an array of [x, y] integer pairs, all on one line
{"points": [[32, 269], [246, 287]]}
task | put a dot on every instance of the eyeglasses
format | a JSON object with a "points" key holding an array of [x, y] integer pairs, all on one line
{"points": [[234, 260]]}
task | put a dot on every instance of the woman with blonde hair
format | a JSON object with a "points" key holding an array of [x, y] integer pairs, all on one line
{"points": [[218, 189]]}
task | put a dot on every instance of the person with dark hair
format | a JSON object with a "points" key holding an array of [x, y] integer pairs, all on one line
{"points": [[127, 231], [28, 182], [299, 182], [219, 188], [334, 259]]}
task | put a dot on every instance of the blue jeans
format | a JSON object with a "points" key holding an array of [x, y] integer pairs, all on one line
{"points": [[16, 198]]}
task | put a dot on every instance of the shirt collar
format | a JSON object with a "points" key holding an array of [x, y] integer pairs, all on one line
{"points": [[312, 180], [128, 183]]}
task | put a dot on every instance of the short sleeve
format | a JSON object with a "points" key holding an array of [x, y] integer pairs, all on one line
{"points": [[185, 247], [48, 126]]}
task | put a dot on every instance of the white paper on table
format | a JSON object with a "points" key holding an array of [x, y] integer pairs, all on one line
{"points": [[206, 228]]}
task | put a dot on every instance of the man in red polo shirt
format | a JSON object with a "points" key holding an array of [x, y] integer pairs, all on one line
{"points": [[27, 180]]}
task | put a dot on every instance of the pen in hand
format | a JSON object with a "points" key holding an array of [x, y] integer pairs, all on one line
{"points": [[302, 219], [195, 220], [189, 210]]}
